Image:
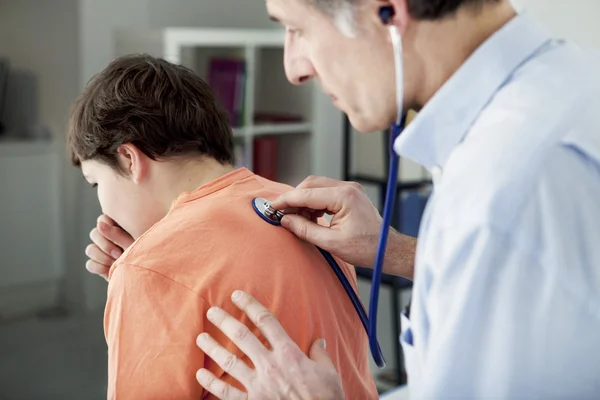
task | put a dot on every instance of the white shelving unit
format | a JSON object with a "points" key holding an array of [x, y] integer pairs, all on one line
{"points": [[30, 226], [311, 146]]}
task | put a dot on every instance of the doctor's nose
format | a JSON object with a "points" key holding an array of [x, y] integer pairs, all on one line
{"points": [[299, 72], [298, 67]]}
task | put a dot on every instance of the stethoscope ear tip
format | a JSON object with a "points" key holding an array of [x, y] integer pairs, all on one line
{"points": [[386, 14]]}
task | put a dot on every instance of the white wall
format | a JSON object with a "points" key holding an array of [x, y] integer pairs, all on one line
{"points": [[575, 20], [209, 13]]}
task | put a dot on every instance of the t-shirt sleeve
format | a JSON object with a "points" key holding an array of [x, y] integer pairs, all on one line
{"points": [[151, 324]]}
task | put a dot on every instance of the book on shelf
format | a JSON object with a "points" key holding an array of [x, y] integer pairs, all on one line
{"points": [[265, 157], [262, 117], [4, 72], [227, 77]]}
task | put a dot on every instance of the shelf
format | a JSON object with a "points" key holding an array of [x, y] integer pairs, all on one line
{"points": [[169, 42], [224, 37], [272, 129], [280, 129]]}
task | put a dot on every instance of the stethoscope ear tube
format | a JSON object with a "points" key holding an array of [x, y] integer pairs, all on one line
{"points": [[264, 210], [364, 319], [390, 200]]}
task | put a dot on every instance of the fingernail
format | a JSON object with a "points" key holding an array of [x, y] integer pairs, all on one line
{"points": [[285, 222], [323, 344], [116, 254], [202, 338], [201, 375], [236, 296], [212, 312], [103, 225]]}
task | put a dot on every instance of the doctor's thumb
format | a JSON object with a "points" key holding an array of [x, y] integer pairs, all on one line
{"points": [[306, 230]]}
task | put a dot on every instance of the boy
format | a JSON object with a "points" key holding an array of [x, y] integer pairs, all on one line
{"points": [[152, 138]]}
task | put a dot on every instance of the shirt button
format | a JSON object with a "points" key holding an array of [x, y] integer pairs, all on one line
{"points": [[436, 174]]}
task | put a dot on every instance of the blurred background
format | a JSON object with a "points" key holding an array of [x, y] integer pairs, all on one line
{"points": [[51, 336]]}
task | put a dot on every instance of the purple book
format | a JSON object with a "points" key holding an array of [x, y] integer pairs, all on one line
{"points": [[226, 77]]}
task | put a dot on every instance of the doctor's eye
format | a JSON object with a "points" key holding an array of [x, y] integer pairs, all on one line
{"points": [[293, 31]]}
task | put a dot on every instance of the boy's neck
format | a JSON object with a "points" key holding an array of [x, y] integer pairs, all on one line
{"points": [[181, 177]]}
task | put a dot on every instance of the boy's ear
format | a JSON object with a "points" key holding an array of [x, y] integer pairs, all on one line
{"points": [[135, 163]]}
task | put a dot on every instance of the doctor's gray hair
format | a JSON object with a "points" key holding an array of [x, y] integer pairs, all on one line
{"points": [[418, 9], [342, 12]]}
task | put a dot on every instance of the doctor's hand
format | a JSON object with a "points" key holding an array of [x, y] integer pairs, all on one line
{"points": [[284, 372], [353, 233], [109, 241]]}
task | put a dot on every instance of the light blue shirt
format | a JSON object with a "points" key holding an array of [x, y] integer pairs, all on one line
{"points": [[506, 300]]}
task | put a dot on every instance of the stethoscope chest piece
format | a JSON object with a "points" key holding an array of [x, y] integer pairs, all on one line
{"points": [[265, 211]]}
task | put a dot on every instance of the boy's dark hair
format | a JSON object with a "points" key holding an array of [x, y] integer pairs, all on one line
{"points": [[418, 9], [163, 109]]}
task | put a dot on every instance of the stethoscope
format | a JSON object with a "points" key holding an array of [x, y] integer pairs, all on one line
{"points": [[272, 216]]}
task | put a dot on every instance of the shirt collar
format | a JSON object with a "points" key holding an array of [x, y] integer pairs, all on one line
{"points": [[445, 119]]}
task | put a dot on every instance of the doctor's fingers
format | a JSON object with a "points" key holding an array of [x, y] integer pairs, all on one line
{"points": [[237, 332], [104, 244], [313, 182], [231, 364], [116, 235], [217, 387], [264, 320], [310, 231], [330, 199]]}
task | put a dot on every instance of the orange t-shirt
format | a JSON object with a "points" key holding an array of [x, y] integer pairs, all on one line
{"points": [[210, 244]]}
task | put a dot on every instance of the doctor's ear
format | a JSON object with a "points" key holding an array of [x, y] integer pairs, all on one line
{"points": [[386, 13], [394, 12]]}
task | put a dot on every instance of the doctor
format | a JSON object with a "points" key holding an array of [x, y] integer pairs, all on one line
{"points": [[506, 300]]}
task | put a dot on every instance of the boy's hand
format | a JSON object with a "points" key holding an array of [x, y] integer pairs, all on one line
{"points": [[109, 242]]}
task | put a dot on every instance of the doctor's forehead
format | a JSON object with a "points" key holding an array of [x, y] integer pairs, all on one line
{"points": [[272, 9], [279, 10]]}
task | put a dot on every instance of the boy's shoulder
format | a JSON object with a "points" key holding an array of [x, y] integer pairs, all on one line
{"points": [[199, 230]]}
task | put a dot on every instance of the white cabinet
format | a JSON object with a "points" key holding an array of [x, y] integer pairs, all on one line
{"points": [[31, 227]]}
